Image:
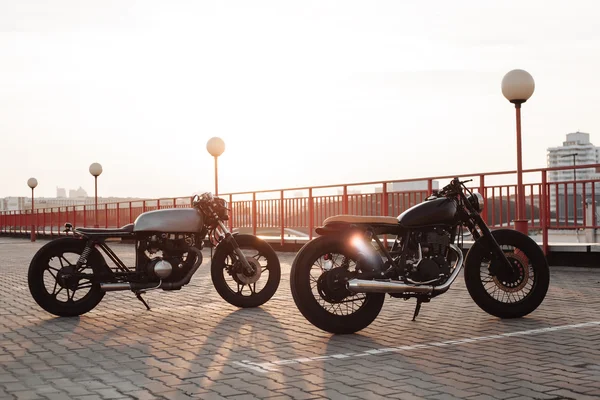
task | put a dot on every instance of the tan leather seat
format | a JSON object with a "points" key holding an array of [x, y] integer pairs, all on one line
{"points": [[360, 219]]}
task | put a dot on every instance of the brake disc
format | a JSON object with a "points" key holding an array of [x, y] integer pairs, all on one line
{"points": [[519, 274], [243, 277]]}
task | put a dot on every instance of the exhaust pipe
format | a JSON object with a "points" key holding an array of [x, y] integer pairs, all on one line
{"points": [[366, 286], [369, 286], [113, 287]]}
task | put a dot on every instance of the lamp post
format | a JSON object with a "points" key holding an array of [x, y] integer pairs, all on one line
{"points": [[32, 183], [216, 147], [574, 170], [574, 181], [517, 87], [96, 170]]}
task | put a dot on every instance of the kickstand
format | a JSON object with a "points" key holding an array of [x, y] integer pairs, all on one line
{"points": [[417, 308], [139, 297]]}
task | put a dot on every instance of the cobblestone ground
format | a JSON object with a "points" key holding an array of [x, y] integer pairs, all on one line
{"points": [[192, 344]]}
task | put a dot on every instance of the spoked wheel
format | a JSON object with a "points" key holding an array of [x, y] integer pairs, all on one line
{"points": [[58, 285], [318, 281], [509, 292], [238, 286]]}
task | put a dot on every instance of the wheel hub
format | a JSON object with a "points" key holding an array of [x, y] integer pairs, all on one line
{"points": [[332, 285], [65, 278], [515, 278], [245, 277]]}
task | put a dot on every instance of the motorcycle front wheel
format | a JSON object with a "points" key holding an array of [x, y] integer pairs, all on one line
{"points": [[238, 287], [52, 282], [509, 293], [318, 281]]}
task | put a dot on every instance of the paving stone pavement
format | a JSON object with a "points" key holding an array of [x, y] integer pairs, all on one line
{"points": [[193, 344]]}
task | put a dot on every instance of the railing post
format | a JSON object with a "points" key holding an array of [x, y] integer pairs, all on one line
{"points": [[105, 215], [384, 208], [345, 200], [544, 212], [482, 192], [282, 218], [118, 215], [429, 187], [58, 224], [254, 212], [84, 216], [130, 213], [174, 203], [144, 206], [311, 216], [231, 215]]}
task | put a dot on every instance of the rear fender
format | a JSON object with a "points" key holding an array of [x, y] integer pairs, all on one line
{"points": [[96, 259], [368, 260], [335, 228]]}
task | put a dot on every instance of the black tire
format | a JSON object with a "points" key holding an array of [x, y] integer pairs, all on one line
{"points": [[239, 293], [46, 265], [526, 286], [302, 285]]}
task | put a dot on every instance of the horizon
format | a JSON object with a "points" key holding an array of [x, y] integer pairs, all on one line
{"points": [[303, 94]]}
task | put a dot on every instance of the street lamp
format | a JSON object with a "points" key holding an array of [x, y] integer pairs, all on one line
{"points": [[32, 183], [96, 170], [517, 87], [216, 147], [574, 169]]}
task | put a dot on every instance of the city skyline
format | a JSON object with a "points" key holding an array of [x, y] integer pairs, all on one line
{"points": [[303, 94], [550, 162]]}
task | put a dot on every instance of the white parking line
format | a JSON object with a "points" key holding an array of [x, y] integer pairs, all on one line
{"points": [[270, 366]]}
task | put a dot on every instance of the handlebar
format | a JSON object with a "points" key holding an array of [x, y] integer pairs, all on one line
{"points": [[454, 185]]}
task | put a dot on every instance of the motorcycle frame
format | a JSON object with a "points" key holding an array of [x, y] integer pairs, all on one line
{"points": [[121, 277], [466, 216]]}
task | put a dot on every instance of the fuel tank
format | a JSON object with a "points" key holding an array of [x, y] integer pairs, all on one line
{"points": [[432, 212], [172, 220]]}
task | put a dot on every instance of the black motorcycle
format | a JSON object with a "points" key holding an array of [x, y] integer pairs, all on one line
{"points": [[339, 280], [69, 276]]}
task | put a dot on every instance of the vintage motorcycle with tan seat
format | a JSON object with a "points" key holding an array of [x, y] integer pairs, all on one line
{"points": [[339, 279]]}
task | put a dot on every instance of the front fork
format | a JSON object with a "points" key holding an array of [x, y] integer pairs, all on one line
{"points": [[229, 238], [486, 234]]}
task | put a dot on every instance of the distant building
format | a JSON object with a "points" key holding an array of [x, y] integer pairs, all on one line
{"points": [[12, 203], [78, 194], [61, 193], [413, 186], [576, 150]]}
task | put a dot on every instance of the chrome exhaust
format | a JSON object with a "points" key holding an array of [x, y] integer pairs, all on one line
{"points": [[113, 287], [390, 286]]}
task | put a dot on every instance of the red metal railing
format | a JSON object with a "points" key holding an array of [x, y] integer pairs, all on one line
{"points": [[549, 205]]}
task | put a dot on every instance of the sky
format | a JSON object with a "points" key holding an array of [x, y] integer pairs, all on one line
{"points": [[302, 92]]}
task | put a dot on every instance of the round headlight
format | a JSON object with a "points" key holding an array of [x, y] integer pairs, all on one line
{"points": [[476, 199]]}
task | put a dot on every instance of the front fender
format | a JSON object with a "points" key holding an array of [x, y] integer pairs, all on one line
{"points": [[484, 247]]}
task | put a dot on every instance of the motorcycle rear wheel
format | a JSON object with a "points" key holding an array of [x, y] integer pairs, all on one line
{"points": [[237, 288], [65, 297], [322, 297], [508, 294]]}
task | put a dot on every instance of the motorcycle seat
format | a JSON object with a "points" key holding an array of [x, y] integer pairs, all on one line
{"points": [[360, 219], [127, 229]]}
